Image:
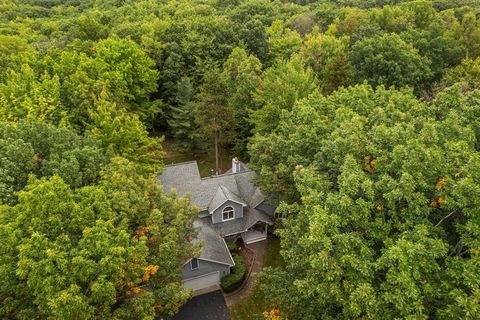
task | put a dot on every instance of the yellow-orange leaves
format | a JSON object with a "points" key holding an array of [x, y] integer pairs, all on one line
{"points": [[440, 184], [149, 272], [137, 290], [437, 202], [370, 163], [274, 314], [441, 201], [141, 232]]}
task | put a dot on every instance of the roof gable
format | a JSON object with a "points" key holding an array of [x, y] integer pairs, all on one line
{"points": [[221, 196]]}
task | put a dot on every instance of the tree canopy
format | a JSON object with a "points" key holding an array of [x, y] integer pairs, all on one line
{"points": [[360, 119]]}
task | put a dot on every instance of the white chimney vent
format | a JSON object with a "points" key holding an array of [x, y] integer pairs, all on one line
{"points": [[236, 165]]}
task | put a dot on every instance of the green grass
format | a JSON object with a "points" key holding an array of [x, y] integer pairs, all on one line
{"points": [[206, 161], [253, 305]]}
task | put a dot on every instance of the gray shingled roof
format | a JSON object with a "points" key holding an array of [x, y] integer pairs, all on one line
{"points": [[222, 195], [214, 248], [185, 179]]}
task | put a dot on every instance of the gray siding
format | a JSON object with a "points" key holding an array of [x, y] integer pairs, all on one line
{"points": [[217, 214], [204, 267]]}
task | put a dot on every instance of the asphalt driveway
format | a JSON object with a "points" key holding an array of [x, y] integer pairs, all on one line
{"points": [[210, 306]]}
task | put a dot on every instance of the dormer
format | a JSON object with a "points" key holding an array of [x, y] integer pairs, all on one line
{"points": [[225, 206]]}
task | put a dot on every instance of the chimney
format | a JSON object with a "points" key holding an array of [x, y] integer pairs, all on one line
{"points": [[235, 165]]}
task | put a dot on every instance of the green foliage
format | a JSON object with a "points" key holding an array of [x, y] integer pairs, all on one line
{"points": [[381, 187], [94, 251], [234, 280], [123, 134], [282, 41], [468, 34], [242, 76], [213, 115], [387, 60], [383, 191], [45, 150], [232, 247], [467, 73], [26, 96], [283, 84], [328, 58], [118, 66]]}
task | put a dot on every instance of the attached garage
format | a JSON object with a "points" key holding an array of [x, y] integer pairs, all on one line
{"points": [[204, 281]]}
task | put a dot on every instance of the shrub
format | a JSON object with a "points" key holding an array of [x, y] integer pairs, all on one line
{"points": [[232, 247], [235, 279]]}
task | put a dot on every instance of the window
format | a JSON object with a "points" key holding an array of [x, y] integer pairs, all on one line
{"points": [[279, 215], [228, 213], [194, 263]]}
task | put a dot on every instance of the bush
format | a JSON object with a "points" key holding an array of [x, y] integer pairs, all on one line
{"points": [[235, 279], [232, 247]]}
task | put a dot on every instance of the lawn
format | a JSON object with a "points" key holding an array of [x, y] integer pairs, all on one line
{"points": [[254, 304], [206, 161]]}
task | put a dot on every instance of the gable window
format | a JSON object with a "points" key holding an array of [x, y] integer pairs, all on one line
{"points": [[228, 213], [194, 263]]}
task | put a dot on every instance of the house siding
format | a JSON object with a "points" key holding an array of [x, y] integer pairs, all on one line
{"points": [[217, 214], [204, 267]]}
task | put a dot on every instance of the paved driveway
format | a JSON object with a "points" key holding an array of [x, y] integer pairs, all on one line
{"points": [[210, 306]]}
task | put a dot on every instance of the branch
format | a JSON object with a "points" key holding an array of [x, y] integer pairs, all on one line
{"points": [[446, 217]]}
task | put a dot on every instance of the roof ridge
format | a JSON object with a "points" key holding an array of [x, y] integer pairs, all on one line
{"points": [[230, 191], [227, 174], [181, 163], [223, 191], [219, 186]]}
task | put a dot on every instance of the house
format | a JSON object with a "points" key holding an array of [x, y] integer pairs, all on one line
{"points": [[231, 207]]}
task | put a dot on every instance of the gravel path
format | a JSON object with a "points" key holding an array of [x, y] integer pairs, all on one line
{"points": [[259, 248]]}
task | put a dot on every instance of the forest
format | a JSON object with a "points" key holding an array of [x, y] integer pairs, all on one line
{"points": [[360, 118]]}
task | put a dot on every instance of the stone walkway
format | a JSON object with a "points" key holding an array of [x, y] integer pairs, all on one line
{"points": [[260, 249]]}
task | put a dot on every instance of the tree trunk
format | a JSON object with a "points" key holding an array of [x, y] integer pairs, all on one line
{"points": [[216, 152], [220, 171]]}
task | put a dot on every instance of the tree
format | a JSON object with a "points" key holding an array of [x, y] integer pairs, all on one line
{"points": [[213, 115], [118, 66], [24, 95], [467, 73], [44, 150], [468, 34], [443, 51], [14, 51], [328, 58], [385, 214], [283, 84], [354, 23], [242, 76], [282, 41], [182, 120], [123, 134], [387, 60]]}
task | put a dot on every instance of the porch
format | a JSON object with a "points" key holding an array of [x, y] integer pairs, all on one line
{"points": [[257, 232]]}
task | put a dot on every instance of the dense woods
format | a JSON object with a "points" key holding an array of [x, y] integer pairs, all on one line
{"points": [[359, 117]]}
